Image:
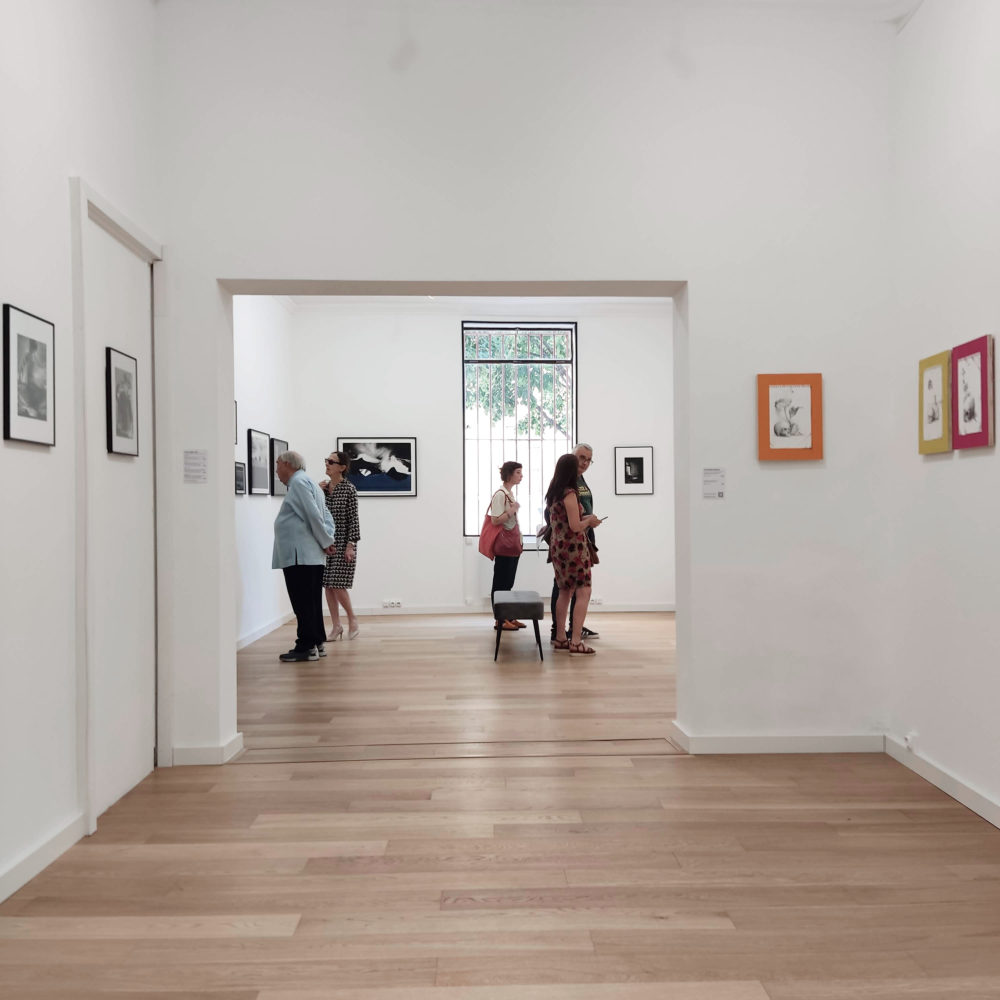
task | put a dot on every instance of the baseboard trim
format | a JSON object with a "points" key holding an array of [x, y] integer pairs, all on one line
{"points": [[23, 871], [259, 633], [831, 743], [597, 609], [484, 609], [941, 777], [193, 756]]}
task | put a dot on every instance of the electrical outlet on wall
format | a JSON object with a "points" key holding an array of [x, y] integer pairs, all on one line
{"points": [[597, 600]]}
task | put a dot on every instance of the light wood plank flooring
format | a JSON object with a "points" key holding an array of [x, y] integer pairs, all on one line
{"points": [[591, 874], [428, 686]]}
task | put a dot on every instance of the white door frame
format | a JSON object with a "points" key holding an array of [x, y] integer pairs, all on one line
{"points": [[86, 207]]}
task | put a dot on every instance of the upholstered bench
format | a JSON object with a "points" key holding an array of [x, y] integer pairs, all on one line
{"points": [[510, 604]]}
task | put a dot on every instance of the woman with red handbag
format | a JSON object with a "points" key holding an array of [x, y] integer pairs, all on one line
{"points": [[507, 549]]}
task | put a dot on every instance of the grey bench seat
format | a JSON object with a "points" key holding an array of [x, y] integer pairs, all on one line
{"points": [[510, 604]]}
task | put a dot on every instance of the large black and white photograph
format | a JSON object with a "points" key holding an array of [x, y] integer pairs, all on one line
{"points": [[258, 462], [382, 467], [278, 447], [633, 469], [29, 377], [121, 402]]}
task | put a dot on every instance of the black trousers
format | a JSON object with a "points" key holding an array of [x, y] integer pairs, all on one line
{"points": [[504, 571], [305, 590]]}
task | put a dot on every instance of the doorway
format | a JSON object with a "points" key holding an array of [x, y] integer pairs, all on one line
{"points": [[115, 500]]}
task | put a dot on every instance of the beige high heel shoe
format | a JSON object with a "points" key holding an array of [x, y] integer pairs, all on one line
{"points": [[354, 632], [335, 633]]}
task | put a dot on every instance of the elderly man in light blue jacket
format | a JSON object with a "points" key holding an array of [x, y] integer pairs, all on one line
{"points": [[303, 538]]}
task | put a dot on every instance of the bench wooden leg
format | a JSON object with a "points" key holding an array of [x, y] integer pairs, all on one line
{"points": [[496, 648], [538, 639]]}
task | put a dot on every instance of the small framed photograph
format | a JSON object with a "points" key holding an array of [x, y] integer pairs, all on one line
{"points": [[934, 429], [258, 465], [29, 377], [278, 447], [972, 420], [241, 478], [381, 467], [121, 402], [790, 417], [633, 470]]}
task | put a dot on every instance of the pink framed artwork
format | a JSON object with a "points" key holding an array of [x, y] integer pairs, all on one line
{"points": [[972, 420]]}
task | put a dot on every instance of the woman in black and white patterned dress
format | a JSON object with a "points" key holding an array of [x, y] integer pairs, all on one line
{"points": [[338, 577]]}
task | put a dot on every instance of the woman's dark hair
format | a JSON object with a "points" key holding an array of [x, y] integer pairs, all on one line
{"points": [[563, 479], [508, 469]]}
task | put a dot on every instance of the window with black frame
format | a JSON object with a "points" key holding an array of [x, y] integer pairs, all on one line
{"points": [[519, 404]]}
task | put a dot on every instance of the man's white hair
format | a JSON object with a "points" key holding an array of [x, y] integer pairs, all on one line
{"points": [[583, 444], [292, 458]]}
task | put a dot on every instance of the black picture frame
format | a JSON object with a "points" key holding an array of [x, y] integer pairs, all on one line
{"points": [[29, 377], [278, 488], [121, 402], [381, 466], [258, 469], [633, 470], [241, 478]]}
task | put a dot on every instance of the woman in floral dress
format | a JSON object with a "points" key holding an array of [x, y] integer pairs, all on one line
{"points": [[570, 551]]}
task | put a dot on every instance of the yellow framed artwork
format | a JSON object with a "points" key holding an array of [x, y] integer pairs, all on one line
{"points": [[935, 404]]}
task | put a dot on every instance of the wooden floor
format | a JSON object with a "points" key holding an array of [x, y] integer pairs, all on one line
{"points": [[541, 860], [428, 686]]}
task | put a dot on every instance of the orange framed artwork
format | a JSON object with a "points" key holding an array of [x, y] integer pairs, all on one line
{"points": [[790, 417]]}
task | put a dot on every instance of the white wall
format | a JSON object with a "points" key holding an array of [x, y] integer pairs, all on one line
{"points": [[945, 555], [267, 391], [392, 366], [743, 151], [120, 527], [76, 90]]}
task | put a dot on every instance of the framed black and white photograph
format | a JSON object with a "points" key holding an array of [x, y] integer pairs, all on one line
{"points": [[278, 488], [121, 402], [633, 470], [29, 377], [258, 463], [381, 467], [241, 477]]}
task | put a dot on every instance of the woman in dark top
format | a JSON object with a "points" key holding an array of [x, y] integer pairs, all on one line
{"points": [[570, 551], [338, 577]]}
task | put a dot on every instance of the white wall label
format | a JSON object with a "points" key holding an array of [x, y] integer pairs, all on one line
{"points": [[713, 484], [196, 466]]}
